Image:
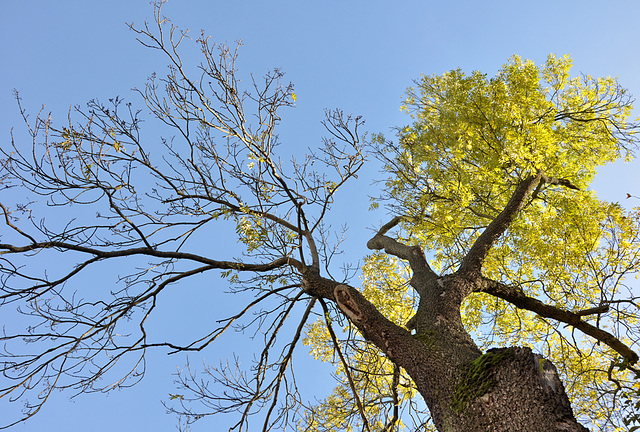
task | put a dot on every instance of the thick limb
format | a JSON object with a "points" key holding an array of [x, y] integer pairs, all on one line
{"points": [[574, 319]]}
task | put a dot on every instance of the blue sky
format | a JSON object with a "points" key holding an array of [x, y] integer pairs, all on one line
{"points": [[356, 55]]}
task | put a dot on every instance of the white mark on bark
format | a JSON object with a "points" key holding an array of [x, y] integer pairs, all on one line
{"points": [[346, 304], [387, 345]]}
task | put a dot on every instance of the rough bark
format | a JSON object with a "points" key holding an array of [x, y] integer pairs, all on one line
{"points": [[524, 393]]}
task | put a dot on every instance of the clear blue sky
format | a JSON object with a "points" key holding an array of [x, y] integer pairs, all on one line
{"points": [[357, 55]]}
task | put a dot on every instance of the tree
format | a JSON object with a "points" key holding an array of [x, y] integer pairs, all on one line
{"points": [[492, 177]]}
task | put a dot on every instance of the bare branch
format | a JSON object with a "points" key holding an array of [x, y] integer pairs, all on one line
{"points": [[223, 265], [345, 366]]}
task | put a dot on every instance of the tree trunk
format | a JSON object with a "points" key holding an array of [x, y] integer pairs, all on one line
{"points": [[507, 390]]}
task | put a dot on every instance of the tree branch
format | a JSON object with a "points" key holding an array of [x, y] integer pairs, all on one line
{"points": [[222, 265], [395, 397], [517, 298], [345, 365], [413, 254], [472, 262], [237, 209]]}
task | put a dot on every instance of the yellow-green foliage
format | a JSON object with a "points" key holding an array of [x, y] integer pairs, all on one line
{"points": [[473, 138]]}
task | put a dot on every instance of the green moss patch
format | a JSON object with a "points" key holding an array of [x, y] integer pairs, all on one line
{"points": [[477, 377], [428, 338]]}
